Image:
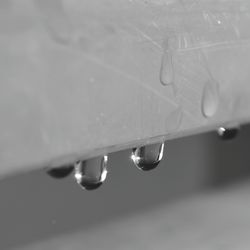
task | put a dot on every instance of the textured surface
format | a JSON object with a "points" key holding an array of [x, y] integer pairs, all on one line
{"points": [[79, 78]]}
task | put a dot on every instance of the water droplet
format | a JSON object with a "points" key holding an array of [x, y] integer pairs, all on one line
{"points": [[167, 69], [91, 173], [228, 133], [148, 157], [60, 172], [210, 98]]}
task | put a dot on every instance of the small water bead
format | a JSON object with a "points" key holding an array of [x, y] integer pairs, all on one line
{"points": [[148, 157], [91, 173], [210, 98], [60, 172], [167, 73], [167, 69], [228, 133]]}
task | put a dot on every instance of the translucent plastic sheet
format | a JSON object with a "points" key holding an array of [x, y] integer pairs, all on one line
{"points": [[81, 78]]}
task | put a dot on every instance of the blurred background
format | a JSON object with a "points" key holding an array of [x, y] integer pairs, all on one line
{"points": [[34, 207]]}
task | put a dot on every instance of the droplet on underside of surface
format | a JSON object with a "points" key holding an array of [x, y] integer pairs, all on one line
{"points": [[148, 157], [167, 68], [228, 133], [210, 98], [91, 173], [60, 172]]}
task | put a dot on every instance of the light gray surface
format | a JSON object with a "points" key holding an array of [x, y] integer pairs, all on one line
{"points": [[79, 77]]}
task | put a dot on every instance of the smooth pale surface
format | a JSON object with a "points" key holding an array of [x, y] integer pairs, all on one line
{"points": [[81, 78], [209, 221]]}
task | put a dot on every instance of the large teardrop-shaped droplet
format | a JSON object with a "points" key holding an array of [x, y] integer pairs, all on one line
{"points": [[60, 172], [167, 69], [91, 173], [210, 98], [228, 133], [148, 157]]}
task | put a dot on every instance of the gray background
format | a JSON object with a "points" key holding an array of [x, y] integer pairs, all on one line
{"points": [[36, 207]]}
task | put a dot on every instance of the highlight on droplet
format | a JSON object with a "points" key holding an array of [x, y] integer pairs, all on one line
{"points": [[90, 174], [148, 157], [228, 133]]}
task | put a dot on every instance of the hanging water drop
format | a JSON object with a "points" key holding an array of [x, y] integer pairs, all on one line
{"points": [[91, 173], [60, 172], [210, 98], [148, 157], [167, 69], [228, 133]]}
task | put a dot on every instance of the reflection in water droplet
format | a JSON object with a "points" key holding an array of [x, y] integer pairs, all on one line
{"points": [[91, 173], [228, 133], [167, 69], [210, 99], [60, 172], [148, 157]]}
